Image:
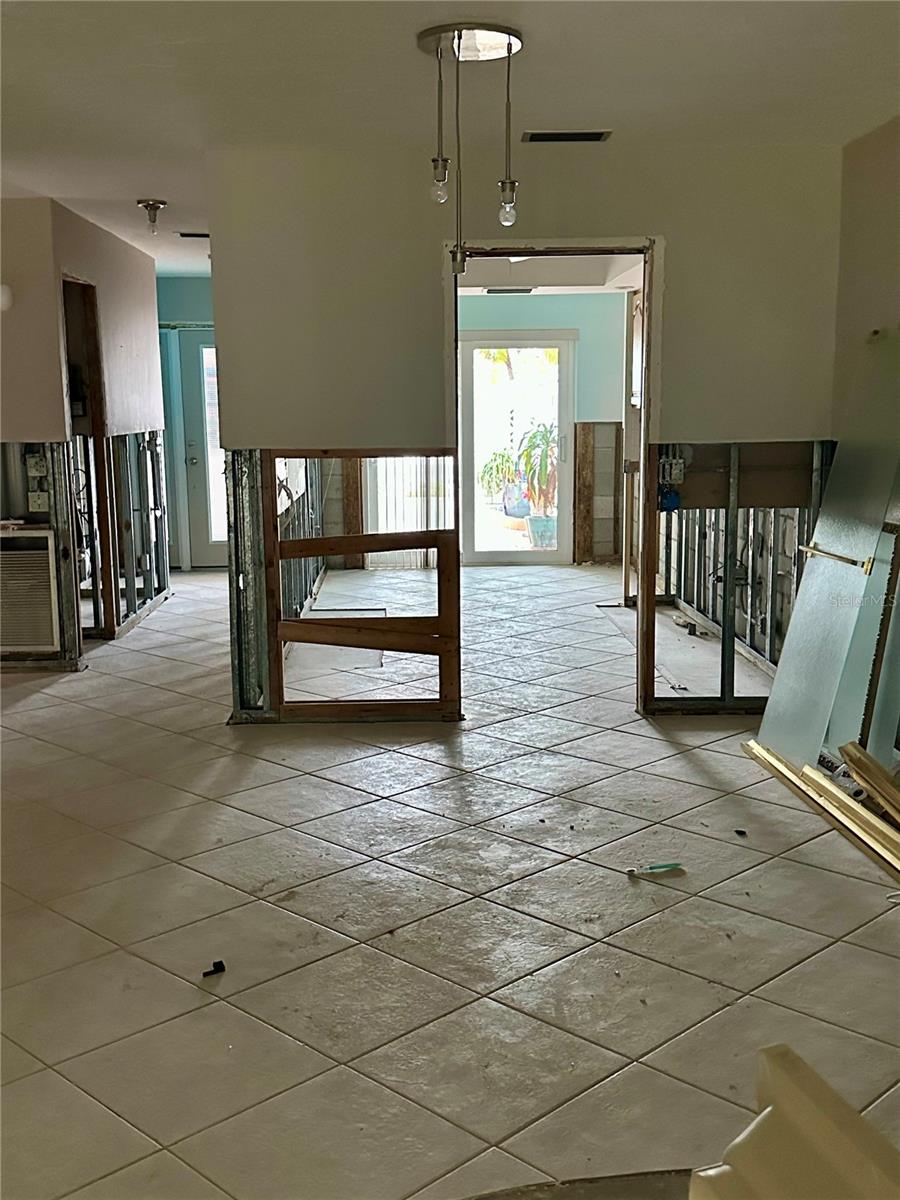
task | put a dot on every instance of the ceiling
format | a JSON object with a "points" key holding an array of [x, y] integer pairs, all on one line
{"points": [[550, 276], [104, 102]]}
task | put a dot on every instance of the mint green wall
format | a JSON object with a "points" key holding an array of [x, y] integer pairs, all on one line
{"points": [[599, 318], [184, 299]]}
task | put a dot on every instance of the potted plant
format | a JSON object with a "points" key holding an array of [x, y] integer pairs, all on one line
{"points": [[497, 473], [538, 463]]}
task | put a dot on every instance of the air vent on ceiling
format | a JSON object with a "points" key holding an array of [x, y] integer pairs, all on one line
{"points": [[508, 291], [566, 135], [193, 235]]}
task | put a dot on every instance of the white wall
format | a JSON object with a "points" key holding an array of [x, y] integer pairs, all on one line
{"points": [[33, 404], [327, 283], [869, 281], [125, 279], [42, 243]]}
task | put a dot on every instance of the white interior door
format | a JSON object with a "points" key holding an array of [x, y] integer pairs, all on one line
{"points": [[205, 458], [516, 446]]}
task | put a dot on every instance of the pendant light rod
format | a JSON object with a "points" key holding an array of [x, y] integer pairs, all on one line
{"points": [[440, 101], [459, 260], [508, 109]]}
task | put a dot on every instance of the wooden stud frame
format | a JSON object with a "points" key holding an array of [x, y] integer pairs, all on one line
{"points": [[437, 635]]}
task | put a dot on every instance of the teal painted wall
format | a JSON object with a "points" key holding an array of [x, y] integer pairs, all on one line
{"points": [[599, 352], [184, 299]]}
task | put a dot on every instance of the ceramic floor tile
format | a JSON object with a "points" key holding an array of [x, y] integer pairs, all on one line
{"points": [[603, 711], [74, 864], [721, 1055], [625, 1003], [11, 901], [489, 1068], [369, 899], [549, 771], [30, 752], [480, 945], [586, 898], [161, 750], [847, 985], [643, 795], [539, 730], [351, 1002], [738, 949], [380, 827], [819, 900], [597, 1133], [151, 902], [723, 772], [16, 1063], [28, 826], [188, 716], [471, 798], [55, 1138], [881, 934], [265, 865], [72, 774], [85, 1006], [116, 803], [468, 752], [219, 777], [256, 942], [532, 697], [474, 859], [36, 942], [704, 861], [767, 827], [585, 681], [185, 831], [317, 1141], [489, 1172], [618, 748], [692, 730], [192, 1072], [834, 852], [299, 799], [388, 774], [885, 1115], [775, 793], [159, 1177], [565, 825]]}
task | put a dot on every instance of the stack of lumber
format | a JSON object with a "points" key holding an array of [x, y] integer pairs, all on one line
{"points": [[876, 833]]}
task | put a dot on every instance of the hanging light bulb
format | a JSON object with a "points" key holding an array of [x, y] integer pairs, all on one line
{"points": [[439, 164], [508, 185]]}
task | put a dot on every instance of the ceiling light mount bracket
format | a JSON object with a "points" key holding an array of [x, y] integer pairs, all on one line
{"points": [[152, 208], [477, 43]]}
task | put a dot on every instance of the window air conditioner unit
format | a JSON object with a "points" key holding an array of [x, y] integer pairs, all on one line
{"points": [[29, 619]]}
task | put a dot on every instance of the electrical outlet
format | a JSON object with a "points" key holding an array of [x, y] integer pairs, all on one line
{"points": [[39, 502]]}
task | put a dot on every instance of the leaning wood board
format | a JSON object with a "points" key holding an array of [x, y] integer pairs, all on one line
{"points": [[874, 848]]}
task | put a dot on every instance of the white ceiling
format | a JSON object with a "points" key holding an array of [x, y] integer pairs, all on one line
{"points": [[107, 101], [556, 276]]}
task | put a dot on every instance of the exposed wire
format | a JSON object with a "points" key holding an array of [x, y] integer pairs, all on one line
{"points": [[458, 45]]}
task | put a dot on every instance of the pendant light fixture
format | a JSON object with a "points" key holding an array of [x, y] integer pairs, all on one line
{"points": [[507, 185], [439, 164], [152, 208], [469, 43]]}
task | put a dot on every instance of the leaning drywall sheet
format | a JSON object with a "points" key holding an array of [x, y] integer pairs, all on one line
{"points": [[832, 592]]}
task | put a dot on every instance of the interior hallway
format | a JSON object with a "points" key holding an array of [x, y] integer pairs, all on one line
{"points": [[437, 967]]}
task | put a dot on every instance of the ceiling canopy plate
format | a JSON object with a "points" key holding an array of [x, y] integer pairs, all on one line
{"points": [[478, 43]]}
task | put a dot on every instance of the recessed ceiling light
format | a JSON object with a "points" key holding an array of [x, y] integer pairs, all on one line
{"points": [[475, 44], [566, 135]]}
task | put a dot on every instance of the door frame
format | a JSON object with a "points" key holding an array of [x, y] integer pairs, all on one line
{"points": [[566, 340]]}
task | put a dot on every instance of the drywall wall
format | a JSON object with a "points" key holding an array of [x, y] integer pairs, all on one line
{"points": [[125, 279], [869, 277], [33, 404], [329, 312], [599, 351], [43, 243], [184, 299]]}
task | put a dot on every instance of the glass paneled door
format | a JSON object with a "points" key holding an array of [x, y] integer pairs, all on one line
{"points": [[516, 441], [204, 457]]}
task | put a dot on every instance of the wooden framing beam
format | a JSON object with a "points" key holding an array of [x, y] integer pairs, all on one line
{"points": [[351, 493], [871, 775], [584, 492], [365, 543]]}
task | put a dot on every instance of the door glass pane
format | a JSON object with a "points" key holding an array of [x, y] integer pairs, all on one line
{"points": [[215, 455], [515, 393]]}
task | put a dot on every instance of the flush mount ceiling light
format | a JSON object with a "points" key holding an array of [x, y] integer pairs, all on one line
{"points": [[152, 208], [469, 43]]}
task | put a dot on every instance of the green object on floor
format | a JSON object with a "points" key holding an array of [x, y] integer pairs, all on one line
{"points": [[654, 868]]}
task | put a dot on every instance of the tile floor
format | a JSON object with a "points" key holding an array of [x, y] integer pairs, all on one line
{"points": [[439, 978]]}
